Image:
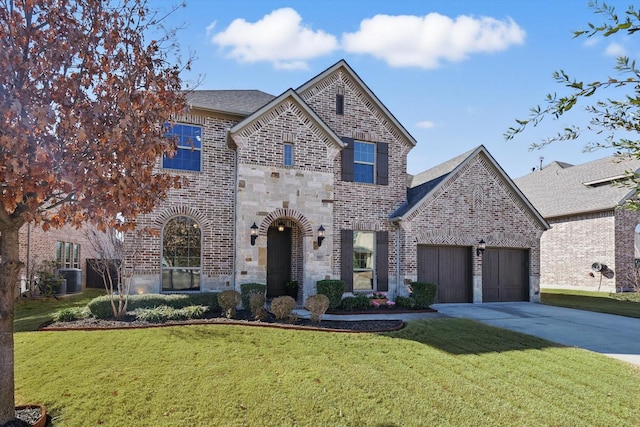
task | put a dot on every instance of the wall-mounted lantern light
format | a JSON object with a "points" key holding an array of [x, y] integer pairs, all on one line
{"points": [[481, 247], [320, 235], [254, 234], [281, 226]]}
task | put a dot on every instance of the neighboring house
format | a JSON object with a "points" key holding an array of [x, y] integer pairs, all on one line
{"points": [[590, 229], [312, 185], [66, 248]]}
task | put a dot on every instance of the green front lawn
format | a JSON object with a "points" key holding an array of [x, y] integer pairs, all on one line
{"points": [[30, 314], [443, 372], [627, 304]]}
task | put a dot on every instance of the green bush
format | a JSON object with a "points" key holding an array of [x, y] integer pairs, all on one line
{"points": [[405, 302], [69, 314], [333, 289], [423, 293], [317, 306], [164, 313], [246, 289], [100, 307], [228, 301], [358, 302]]}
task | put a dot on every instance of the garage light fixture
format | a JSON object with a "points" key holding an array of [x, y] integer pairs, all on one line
{"points": [[320, 235], [254, 234], [482, 245]]}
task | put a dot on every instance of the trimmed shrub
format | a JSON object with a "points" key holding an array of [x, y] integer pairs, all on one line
{"points": [[69, 314], [423, 293], [333, 289], [405, 302], [208, 299], [164, 313], [317, 306], [249, 288], [257, 302], [228, 301], [100, 307], [282, 307], [358, 302]]}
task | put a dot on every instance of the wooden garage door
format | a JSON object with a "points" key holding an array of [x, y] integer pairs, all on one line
{"points": [[450, 268], [505, 275]]}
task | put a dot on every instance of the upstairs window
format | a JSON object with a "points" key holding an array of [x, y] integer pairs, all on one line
{"points": [[288, 154], [366, 162], [189, 154]]}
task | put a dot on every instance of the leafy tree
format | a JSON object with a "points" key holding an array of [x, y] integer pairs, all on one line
{"points": [[614, 118], [83, 97]]}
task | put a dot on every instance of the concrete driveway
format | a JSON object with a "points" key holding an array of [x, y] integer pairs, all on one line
{"points": [[614, 336]]}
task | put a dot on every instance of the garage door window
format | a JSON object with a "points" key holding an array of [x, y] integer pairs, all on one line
{"points": [[363, 260]]}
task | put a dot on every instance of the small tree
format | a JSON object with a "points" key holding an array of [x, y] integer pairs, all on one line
{"points": [[114, 265], [609, 117]]}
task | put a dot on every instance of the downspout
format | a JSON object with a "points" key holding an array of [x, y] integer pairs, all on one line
{"points": [[29, 266], [235, 215], [398, 255]]}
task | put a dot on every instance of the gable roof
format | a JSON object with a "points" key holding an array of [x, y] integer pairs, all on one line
{"points": [[238, 102], [290, 93], [343, 64], [561, 189], [428, 181]]}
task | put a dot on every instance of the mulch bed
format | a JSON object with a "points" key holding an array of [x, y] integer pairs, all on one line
{"points": [[242, 317]]}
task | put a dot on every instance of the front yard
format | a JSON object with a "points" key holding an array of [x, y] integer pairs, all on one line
{"points": [[623, 304], [444, 372]]}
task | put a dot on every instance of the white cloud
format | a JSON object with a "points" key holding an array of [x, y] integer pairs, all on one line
{"points": [[279, 37], [211, 26], [426, 124], [426, 41], [615, 49]]}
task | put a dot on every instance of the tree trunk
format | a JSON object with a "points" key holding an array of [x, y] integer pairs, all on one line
{"points": [[9, 269]]}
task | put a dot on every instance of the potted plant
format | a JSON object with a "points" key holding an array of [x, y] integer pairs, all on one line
{"points": [[378, 299], [291, 288]]}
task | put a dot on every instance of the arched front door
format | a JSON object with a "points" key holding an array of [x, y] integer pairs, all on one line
{"points": [[278, 260]]}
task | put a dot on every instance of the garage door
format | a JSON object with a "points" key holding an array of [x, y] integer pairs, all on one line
{"points": [[505, 275], [450, 268]]}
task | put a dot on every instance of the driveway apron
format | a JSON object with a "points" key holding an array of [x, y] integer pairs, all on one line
{"points": [[614, 336]]}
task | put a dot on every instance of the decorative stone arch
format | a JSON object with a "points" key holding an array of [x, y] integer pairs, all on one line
{"points": [[174, 211], [291, 214]]}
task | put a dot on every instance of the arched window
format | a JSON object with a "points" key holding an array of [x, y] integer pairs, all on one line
{"points": [[181, 245]]}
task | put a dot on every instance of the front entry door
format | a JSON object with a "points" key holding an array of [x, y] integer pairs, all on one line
{"points": [[278, 261]]}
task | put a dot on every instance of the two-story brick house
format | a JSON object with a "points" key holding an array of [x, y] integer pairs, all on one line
{"points": [[311, 185]]}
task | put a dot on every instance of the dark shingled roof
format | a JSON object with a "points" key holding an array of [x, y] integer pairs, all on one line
{"points": [[561, 189], [240, 102]]}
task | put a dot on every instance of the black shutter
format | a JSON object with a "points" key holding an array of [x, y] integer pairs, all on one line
{"points": [[346, 257], [347, 160], [382, 260], [382, 163]]}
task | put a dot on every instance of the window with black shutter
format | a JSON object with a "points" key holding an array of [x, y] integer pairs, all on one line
{"points": [[365, 162]]}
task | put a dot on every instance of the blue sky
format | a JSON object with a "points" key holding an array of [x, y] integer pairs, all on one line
{"points": [[456, 74]]}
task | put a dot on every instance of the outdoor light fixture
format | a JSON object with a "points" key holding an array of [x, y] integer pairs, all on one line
{"points": [[320, 235], [481, 247], [254, 234], [281, 226]]}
